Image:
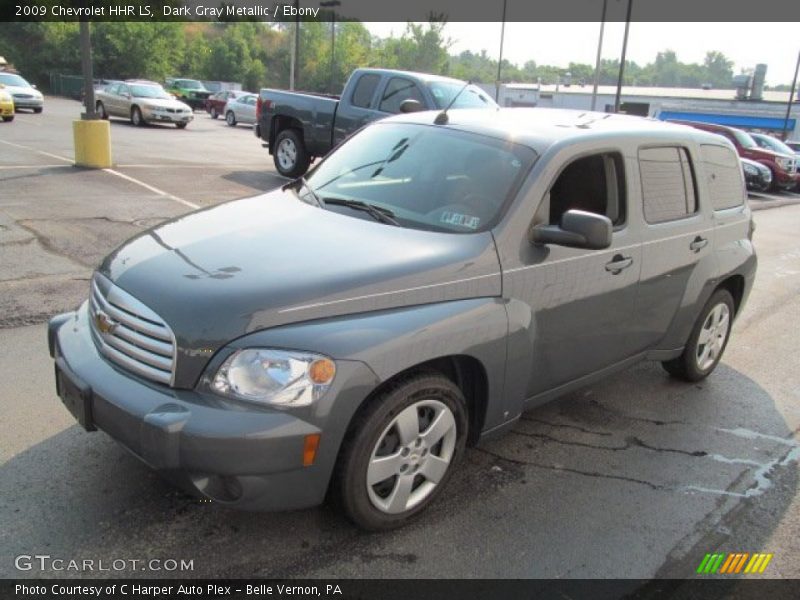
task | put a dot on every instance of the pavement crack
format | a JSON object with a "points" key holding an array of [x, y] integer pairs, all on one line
{"points": [[594, 474], [564, 426], [48, 246], [630, 442]]}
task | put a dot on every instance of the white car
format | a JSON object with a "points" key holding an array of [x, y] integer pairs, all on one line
{"points": [[25, 95], [241, 109]]}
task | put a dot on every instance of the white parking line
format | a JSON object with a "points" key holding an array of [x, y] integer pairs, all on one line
{"points": [[153, 189], [6, 167], [42, 152]]}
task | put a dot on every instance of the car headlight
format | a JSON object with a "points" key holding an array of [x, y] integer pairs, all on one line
{"points": [[281, 378], [750, 169], [784, 163]]}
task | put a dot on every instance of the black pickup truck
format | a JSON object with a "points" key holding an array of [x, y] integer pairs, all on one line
{"points": [[298, 127]]}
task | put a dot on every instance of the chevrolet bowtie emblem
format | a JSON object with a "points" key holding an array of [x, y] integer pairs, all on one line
{"points": [[104, 323]]}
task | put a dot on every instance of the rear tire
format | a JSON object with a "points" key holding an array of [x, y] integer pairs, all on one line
{"points": [[290, 156], [101, 110], [8, 119], [707, 342], [38, 110], [401, 451], [230, 118], [214, 113]]}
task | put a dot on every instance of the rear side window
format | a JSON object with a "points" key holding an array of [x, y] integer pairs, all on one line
{"points": [[365, 89], [398, 90], [668, 190], [724, 176]]}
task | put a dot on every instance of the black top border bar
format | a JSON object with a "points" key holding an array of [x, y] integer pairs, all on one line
{"points": [[710, 11]]}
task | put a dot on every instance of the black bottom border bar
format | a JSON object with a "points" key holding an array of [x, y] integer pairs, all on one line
{"points": [[736, 588]]}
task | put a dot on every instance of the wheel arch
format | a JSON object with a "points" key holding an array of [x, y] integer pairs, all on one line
{"points": [[735, 284], [279, 123]]}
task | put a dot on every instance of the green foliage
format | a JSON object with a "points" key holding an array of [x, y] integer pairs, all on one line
{"points": [[258, 54]]}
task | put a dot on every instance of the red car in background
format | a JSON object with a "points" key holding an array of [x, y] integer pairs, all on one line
{"points": [[783, 166], [215, 103]]}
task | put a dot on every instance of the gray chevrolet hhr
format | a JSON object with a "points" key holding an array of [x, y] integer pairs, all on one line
{"points": [[432, 278]]}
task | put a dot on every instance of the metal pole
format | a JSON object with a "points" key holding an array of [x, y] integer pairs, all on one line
{"points": [[791, 97], [86, 68], [599, 53], [293, 50], [500, 62], [622, 61], [297, 44], [333, 48]]}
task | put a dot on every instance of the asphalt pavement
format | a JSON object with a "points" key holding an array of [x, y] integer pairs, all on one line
{"points": [[635, 477]]}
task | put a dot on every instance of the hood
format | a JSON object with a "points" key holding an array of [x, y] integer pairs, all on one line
{"points": [[17, 89], [246, 265], [163, 103]]}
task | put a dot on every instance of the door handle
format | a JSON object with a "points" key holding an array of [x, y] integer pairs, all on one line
{"points": [[698, 244], [618, 263]]}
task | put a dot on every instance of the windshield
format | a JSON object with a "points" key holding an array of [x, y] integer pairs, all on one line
{"points": [[427, 177], [190, 84], [744, 139], [149, 91], [775, 145], [11, 79], [443, 93]]}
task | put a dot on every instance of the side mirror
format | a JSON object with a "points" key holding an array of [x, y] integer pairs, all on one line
{"points": [[577, 229], [409, 105]]}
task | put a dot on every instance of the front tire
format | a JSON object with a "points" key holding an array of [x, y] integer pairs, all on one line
{"points": [[38, 110], [181, 125], [214, 113], [401, 451], [230, 118], [136, 117], [8, 119], [291, 157], [707, 341]]}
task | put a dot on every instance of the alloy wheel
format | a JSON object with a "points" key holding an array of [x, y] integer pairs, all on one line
{"points": [[713, 334]]}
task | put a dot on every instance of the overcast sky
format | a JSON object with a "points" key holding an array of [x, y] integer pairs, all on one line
{"points": [[747, 44]]}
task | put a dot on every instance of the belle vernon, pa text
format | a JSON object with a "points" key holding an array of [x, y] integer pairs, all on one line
{"points": [[168, 591]]}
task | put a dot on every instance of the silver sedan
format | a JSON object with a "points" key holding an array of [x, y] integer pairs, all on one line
{"points": [[142, 103], [241, 110]]}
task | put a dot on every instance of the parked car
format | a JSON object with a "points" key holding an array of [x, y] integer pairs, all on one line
{"points": [[298, 127], [794, 145], [6, 105], [757, 176], [215, 103], [241, 110], [189, 91], [783, 166], [25, 94], [142, 102], [434, 276]]}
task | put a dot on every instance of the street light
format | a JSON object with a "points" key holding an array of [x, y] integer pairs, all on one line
{"points": [[622, 61], [332, 4]]}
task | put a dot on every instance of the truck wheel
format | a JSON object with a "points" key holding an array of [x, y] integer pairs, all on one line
{"points": [[230, 118], [291, 158], [707, 342], [101, 110], [402, 451]]}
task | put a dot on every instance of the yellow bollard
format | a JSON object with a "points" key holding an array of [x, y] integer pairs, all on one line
{"points": [[92, 144]]}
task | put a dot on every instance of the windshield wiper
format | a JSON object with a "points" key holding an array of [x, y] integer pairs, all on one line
{"points": [[301, 182], [384, 215]]}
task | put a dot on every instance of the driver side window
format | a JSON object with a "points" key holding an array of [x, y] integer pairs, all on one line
{"points": [[594, 183]]}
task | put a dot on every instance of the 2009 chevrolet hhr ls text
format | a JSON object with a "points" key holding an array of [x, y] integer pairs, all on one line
{"points": [[432, 278]]}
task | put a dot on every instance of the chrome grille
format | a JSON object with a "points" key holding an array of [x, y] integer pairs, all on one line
{"points": [[129, 334]]}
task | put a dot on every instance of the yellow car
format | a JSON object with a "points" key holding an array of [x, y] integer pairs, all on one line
{"points": [[6, 105]]}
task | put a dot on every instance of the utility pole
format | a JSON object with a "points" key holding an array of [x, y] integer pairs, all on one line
{"points": [[622, 61], [295, 51], [332, 4], [88, 75], [791, 98], [500, 62], [599, 53]]}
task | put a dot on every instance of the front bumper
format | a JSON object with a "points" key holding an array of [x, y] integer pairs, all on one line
{"points": [[165, 117], [28, 102], [242, 455]]}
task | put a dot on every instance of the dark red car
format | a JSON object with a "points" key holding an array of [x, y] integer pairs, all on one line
{"points": [[783, 166], [215, 103]]}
